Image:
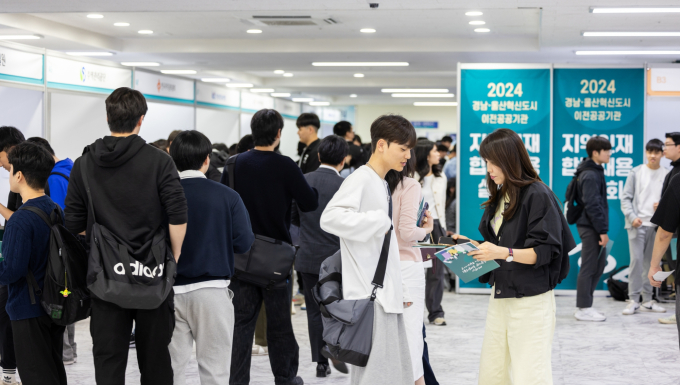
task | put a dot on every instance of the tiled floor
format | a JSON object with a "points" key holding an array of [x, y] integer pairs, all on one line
{"points": [[623, 350]]}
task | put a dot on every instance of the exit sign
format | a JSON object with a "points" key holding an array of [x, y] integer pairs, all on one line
{"points": [[423, 124]]}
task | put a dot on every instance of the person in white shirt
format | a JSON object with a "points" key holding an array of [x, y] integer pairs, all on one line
{"points": [[358, 215], [641, 195]]}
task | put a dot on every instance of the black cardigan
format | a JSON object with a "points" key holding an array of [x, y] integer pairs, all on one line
{"points": [[538, 223]]}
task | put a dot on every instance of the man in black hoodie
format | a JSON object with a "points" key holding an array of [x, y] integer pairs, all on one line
{"points": [[592, 226], [671, 152], [136, 194]]}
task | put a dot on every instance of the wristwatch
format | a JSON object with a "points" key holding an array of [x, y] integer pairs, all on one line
{"points": [[510, 257]]}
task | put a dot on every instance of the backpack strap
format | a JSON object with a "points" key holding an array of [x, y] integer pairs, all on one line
{"points": [[231, 165], [83, 173], [33, 288], [47, 184], [379, 277]]}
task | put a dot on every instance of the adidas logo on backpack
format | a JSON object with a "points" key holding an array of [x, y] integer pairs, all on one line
{"points": [[139, 270]]}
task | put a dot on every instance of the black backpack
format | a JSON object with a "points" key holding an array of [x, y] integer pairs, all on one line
{"points": [[64, 295], [618, 289], [573, 205]]}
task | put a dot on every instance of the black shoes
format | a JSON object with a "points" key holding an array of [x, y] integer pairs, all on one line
{"points": [[297, 381], [338, 365], [323, 370]]}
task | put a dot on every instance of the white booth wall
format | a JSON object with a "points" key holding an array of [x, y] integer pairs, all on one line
{"points": [[76, 120], [289, 139], [220, 126], [662, 116], [163, 118]]}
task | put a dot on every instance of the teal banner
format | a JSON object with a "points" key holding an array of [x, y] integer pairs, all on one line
{"points": [[518, 99], [608, 102]]}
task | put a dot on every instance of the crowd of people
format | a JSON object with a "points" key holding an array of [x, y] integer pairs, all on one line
{"points": [[191, 242]]}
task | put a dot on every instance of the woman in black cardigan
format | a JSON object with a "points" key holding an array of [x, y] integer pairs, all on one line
{"points": [[525, 231]]}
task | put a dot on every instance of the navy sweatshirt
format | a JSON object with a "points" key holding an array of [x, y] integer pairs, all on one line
{"points": [[218, 227], [25, 247]]}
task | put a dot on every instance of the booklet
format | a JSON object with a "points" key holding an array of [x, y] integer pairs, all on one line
{"points": [[421, 212], [661, 276], [456, 259]]}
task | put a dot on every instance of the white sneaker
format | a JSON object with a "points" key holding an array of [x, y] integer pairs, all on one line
{"points": [[652, 306], [260, 350], [668, 321], [589, 314], [631, 308], [9, 379]]}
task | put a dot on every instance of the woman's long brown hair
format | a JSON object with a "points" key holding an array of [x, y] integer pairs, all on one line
{"points": [[505, 149]]}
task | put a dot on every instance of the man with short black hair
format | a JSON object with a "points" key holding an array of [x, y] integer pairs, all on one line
{"points": [[308, 125], [267, 182], [137, 196], [218, 227], [315, 244], [344, 129], [447, 141], [592, 225], [9, 137]]}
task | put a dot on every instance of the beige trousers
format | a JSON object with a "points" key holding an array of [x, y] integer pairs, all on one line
{"points": [[518, 341]]}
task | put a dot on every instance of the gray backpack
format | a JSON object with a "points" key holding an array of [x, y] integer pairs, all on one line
{"points": [[348, 324]]}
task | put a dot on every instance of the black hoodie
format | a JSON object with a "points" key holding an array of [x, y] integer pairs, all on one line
{"points": [[592, 191], [135, 188], [674, 171]]}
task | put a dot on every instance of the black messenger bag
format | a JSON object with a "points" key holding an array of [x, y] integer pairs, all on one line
{"points": [[269, 262]]}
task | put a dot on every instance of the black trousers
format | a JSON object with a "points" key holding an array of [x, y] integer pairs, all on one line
{"points": [[435, 280], [283, 348], [8, 360], [592, 266], [428, 373], [40, 351], [314, 323], [110, 327]]}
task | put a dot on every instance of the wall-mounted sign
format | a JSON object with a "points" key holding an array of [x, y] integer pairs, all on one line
{"points": [[82, 76], [18, 66], [254, 102], [156, 86], [663, 81], [425, 125], [288, 109], [216, 96]]}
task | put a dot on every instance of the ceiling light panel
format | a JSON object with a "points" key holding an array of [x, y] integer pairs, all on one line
{"points": [[628, 52], [353, 96], [303, 100], [254, 31], [422, 95], [482, 30], [474, 13], [367, 30], [240, 85], [145, 32], [319, 103], [20, 37], [288, 75], [262, 90], [140, 64], [95, 16], [121, 24], [178, 72], [279, 72], [360, 64], [411, 90], [435, 104], [280, 94], [358, 75], [89, 53], [216, 80], [632, 34], [635, 10], [477, 22]]}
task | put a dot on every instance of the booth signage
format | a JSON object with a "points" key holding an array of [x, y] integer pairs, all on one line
{"points": [[288, 109], [608, 102], [161, 87], [19, 66], [82, 76], [211, 95], [665, 79], [514, 98], [425, 125], [255, 102]]}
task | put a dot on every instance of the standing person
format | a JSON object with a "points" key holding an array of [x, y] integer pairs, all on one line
{"points": [[592, 225], [9, 137], [316, 245], [359, 215], [525, 232], [451, 215], [344, 129], [641, 195], [406, 198], [218, 227], [56, 188], [308, 125], [25, 250], [451, 165], [672, 152], [443, 154], [428, 174], [137, 196], [267, 182]]}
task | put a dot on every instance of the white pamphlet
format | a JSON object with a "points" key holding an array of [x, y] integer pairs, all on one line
{"points": [[662, 275]]}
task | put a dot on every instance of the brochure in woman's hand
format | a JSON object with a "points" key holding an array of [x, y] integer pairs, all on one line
{"points": [[456, 258]]}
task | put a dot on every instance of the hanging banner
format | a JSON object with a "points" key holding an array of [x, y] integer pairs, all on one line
{"points": [[215, 96], [19, 66], [252, 102], [287, 109], [608, 102], [160, 87], [81, 76], [492, 97]]}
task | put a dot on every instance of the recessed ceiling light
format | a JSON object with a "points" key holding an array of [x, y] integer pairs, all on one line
{"points": [[288, 75], [254, 31], [422, 95], [90, 53], [121, 24], [367, 30], [140, 64], [145, 32], [412, 90], [216, 80], [353, 96], [20, 37], [624, 34], [473, 13], [240, 85], [280, 94], [279, 72], [477, 22], [262, 90], [361, 64], [319, 103], [435, 104], [178, 72], [628, 52], [635, 10], [95, 16], [482, 30], [358, 75], [303, 100]]}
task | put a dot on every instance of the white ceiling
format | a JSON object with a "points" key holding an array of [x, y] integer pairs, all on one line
{"points": [[432, 35]]}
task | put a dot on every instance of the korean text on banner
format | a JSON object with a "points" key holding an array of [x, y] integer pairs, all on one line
{"points": [[82, 76], [518, 99], [608, 102], [19, 66]]}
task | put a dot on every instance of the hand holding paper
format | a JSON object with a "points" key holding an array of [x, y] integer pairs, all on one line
{"points": [[661, 276]]}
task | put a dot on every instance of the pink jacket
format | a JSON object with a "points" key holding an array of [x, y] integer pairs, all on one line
{"points": [[405, 203]]}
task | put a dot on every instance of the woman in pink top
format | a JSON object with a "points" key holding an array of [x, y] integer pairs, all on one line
{"points": [[406, 198]]}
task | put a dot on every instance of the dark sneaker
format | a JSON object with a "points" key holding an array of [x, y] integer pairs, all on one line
{"points": [[323, 370], [338, 365], [297, 381]]}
